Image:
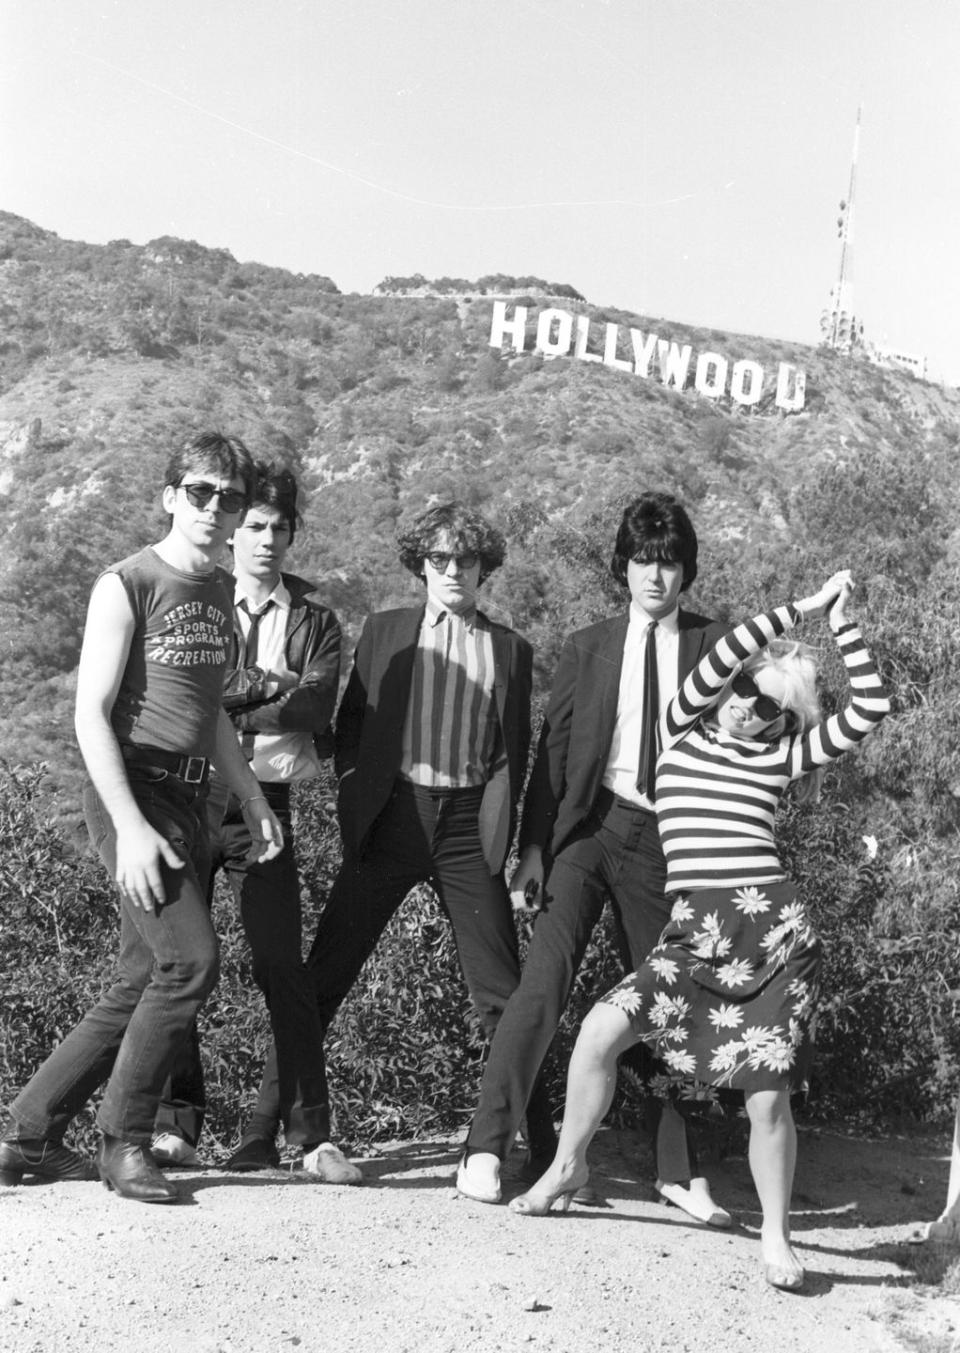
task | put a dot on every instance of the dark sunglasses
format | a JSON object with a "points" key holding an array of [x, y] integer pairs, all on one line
{"points": [[201, 493], [441, 562], [765, 707]]}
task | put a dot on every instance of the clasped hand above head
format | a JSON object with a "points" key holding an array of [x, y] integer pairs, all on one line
{"points": [[830, 599]]}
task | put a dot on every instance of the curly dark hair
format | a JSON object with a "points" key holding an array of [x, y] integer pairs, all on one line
{"points": [[655, 526], [467, 531]]}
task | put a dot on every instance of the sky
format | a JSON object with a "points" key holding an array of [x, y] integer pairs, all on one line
{"points": [[684, 159]]}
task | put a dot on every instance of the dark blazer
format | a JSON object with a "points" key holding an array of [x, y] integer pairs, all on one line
{"points": [[578, 728], [368, 736]]}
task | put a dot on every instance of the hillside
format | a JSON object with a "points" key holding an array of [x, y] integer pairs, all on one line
{"points": [[110, 352]]}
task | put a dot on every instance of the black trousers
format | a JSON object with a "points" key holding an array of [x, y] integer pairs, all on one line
{"points": [[268, 897], [422, 836], [615, 856]]}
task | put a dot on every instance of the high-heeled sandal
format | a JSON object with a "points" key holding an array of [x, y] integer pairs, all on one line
{"points": [[678, 1195], [534, 1204]]}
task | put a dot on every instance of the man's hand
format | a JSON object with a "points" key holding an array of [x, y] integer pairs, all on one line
{"points": [[821, 602], [526, 885], [265, 831], [140, 850]]}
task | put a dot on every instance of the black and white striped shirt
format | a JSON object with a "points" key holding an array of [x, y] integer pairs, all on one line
{"points": [[717, 794]]}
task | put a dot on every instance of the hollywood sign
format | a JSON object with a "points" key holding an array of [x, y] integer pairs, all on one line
{"points": [[560, 334]]}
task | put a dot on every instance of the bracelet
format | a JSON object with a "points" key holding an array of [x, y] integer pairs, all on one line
{"points": [[252, 799]]}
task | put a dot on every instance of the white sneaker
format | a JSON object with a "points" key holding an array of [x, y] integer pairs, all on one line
{"points": [[478, 1177], [329, 1163], [169, 1149]]}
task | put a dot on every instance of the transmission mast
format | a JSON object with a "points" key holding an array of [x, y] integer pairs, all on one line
{"points": [[837, 323]]}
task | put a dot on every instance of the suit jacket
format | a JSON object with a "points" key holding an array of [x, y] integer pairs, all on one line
{"points": [[578, 728], [368, 738]]}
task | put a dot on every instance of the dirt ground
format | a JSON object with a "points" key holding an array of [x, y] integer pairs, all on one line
{"points": [[278, 1261]]}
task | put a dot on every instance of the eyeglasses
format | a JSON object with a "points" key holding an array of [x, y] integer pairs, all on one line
{"points": [[765, 707], [202, 493], [441, 562]]}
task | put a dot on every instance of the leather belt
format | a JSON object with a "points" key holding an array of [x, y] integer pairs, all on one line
{"points": [[192, 770]]}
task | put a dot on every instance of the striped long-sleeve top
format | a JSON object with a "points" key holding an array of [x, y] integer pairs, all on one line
{"points": [[717, 794]]}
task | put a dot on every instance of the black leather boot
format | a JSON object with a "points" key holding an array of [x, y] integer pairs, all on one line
{"points": [[43, 1160], [129, 1169]]}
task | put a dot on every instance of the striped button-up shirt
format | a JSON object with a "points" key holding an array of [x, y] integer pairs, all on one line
{"points": [[450, 729]]}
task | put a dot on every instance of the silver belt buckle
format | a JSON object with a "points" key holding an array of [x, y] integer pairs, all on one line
{"points": [[194, 770]]}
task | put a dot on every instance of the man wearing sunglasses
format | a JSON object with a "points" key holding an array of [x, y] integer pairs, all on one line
{"points": [[431, 747], [149, 722], [589, 832]]}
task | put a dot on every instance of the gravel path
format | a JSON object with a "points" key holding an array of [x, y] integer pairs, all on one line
{"points": [[277, 1261]]}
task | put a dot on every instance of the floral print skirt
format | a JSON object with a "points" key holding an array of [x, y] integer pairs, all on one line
{"points": [[727, 998]]}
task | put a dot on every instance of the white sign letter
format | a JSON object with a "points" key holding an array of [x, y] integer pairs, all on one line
{"points": [[711, 384], [742, 389], [610, 357], [642, 351], [501, 327], [674, 363], [791, 403], [560, 346], [583, 338]]}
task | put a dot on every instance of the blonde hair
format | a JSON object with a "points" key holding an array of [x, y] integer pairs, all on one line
{"points": [[796, 665]]}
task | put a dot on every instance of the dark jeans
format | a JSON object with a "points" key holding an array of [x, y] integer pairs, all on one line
{"points": [[268, 895], [168, 965], [422, 836], [615, 856]]}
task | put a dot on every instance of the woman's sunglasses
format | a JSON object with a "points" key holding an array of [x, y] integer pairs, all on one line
{"points": [[764, 707]]}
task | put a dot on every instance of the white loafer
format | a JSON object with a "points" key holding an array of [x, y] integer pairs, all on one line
{"points": [[478, 1177], [328, 1163]]}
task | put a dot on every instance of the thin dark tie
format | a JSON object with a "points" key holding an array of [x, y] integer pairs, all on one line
{"points": [[251, 644], [646, 778]]}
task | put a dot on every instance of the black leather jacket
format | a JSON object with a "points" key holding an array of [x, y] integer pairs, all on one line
{"points": [[313, 652]]}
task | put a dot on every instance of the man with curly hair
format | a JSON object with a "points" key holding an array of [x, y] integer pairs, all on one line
{"points": [[431, 745]]}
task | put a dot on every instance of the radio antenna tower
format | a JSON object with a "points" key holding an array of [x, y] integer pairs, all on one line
{"points": [[837, 323]]}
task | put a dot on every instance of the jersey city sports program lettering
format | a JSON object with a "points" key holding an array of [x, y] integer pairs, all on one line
{"points": [[559, 332]]}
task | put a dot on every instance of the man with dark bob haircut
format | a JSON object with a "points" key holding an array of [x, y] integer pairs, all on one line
{"points": [[589, 833], [431, 743]]}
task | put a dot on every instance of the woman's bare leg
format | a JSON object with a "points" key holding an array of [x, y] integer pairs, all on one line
{"points": [[773, 1158], [591, 1080]]}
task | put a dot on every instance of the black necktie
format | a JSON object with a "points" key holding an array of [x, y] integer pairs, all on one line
{"points": [[253, 635], [647, 769], [250, 647]]}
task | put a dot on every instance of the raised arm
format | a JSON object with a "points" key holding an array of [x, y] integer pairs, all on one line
{"points": [[703, 687], [868, 706]]}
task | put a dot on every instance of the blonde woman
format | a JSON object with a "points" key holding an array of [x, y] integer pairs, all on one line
{"points": [[728, 995]]}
